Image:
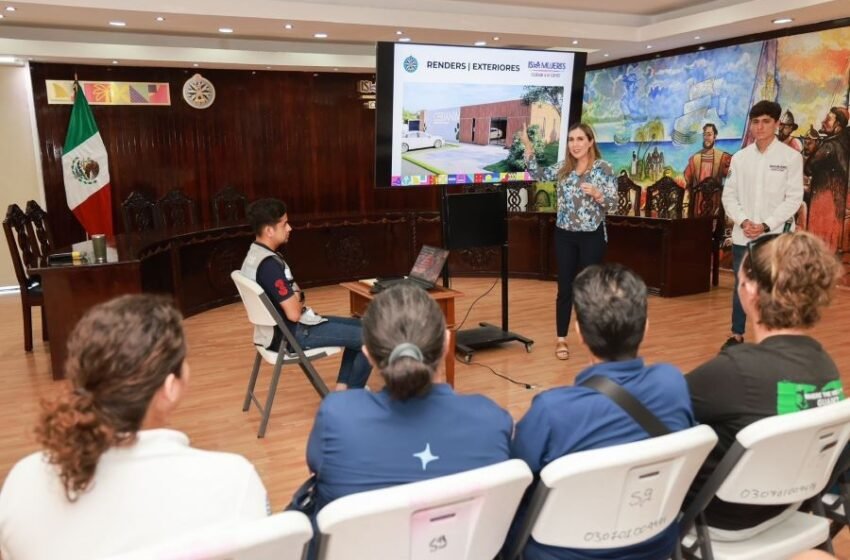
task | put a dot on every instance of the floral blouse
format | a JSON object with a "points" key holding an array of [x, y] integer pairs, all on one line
{"points": [[578, 211]]}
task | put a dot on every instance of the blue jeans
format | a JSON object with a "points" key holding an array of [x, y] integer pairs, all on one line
{"points": [[339, 331], [739, 318]]}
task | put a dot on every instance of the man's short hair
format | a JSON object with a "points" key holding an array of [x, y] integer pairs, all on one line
{"points": [[711, 126], [265, 212], [764, 107], [610, 303], [841, 115]]}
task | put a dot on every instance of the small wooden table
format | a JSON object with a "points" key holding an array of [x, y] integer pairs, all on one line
{"points": [[359, 298]]}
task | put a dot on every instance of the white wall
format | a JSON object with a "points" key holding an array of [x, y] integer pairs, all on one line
{"points": [[20, 160]]}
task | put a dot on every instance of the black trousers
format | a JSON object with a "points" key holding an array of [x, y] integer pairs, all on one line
{"points": [[574, 251]]}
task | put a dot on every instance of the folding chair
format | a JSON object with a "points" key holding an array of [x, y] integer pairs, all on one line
{"points": [[615, 496], [283, 536], [456, 517], [261, 312], [781, 460]]}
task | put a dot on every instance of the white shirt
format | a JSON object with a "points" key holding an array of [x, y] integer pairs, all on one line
{"points": [[157, 489], [763, 187]]}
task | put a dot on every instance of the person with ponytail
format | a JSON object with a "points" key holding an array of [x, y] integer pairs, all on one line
{"points": [[416, 427], [784, 282], [111, 477]]}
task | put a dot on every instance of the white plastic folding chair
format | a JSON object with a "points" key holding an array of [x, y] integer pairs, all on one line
{"points": [[463, 516], [615, 496], [283, 536], [781, 460], [261, 312]]}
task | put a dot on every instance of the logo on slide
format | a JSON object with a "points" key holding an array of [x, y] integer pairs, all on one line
{"points": [[411, 64]]}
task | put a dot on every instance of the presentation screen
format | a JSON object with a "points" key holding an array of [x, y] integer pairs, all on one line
{"points": [[459, 115]]}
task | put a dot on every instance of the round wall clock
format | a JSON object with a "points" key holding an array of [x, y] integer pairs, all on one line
{"points": [[198, 92]]}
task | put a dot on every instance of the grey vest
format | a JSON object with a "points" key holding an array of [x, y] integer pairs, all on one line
{"points": [[257, 254]]}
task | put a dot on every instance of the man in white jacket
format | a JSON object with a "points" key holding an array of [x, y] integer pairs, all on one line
{"points": [[762, 193]]}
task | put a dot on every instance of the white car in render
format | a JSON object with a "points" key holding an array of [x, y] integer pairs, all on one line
{"points": [[415, 140]]}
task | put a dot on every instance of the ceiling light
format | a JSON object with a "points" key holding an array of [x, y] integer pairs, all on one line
{"points": [[117, 23], [404, 39], [10, 61], [780, 21], [10, 8], [288, 26], [315, 75], [2, 16], [114, 62], [575, 41], [480, 43], [495, 38], [697, 37], [606, 55], [399, 32], [268, 67], [225, 30], [649, 46], [701, 48], [320, 35], [195, 64], [160, 18], [336, 69]]}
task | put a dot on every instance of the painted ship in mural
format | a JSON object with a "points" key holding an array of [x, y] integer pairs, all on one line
{"points": [[705, 104]]}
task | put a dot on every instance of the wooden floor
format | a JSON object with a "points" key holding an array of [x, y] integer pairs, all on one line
{"points": [[685, 331]]}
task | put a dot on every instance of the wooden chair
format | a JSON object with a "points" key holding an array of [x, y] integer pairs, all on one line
{"points": [[664, 199], [24, 256], [705, 200], [628, 197], [175, 210], [138, 213], [229, 206], [39, 229]]}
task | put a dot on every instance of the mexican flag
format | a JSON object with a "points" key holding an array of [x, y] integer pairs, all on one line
{"points": [[86, 170]]}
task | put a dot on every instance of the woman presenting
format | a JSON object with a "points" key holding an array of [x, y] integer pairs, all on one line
{"points": [[586, 189]]}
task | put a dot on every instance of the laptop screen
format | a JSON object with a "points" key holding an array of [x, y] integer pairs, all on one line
{"points": [[429, 263]]}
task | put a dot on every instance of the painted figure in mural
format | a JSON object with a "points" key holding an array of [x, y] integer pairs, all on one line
{"points": [[786, 127], [708, 162], [634, 168], [763, 191], [811, 143], [828, 169]]}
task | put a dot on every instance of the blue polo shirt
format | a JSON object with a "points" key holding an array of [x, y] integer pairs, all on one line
{"points": [[364, 441], [570, 419]]}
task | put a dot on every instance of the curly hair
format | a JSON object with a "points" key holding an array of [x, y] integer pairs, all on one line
{"points": [[795, 274], [119, 355]]}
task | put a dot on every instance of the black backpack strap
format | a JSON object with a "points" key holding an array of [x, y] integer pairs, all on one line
{"points": [[647, 420]]}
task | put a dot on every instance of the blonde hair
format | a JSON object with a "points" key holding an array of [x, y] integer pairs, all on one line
{"points": [[795, 274], [570, 162]]}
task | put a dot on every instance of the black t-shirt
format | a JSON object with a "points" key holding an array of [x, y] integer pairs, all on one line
{"points": [[748, 382]]}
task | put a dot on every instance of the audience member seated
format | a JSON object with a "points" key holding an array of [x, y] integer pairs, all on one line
{"points": [[416, 427], [111, 478], [784, 281], [265, 266], [610, 304]]}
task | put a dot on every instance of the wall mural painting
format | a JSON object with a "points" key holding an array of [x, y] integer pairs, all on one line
{"points": [[654, 118]]}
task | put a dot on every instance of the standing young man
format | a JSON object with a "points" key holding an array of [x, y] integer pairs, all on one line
{"points": [[762, 194], [266, 267]]}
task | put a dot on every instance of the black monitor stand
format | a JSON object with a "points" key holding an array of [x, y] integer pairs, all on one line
{"points": [[485, 335]]}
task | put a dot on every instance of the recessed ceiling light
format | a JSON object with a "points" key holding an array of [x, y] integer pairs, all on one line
{"points": [[253, 72], [268, 67], [225, 30], [606, 55], [320, 35], [10, 8], [114, 62], [399, 32], [697, 37], [701, 48], [404, 39], [575, 41], [315, 75], [649, 46], [336, 69], [288, 26], [495, 38], [480, 43], [195, 64], [780, 21], [117, 23], [2, 16], [160, 18]]}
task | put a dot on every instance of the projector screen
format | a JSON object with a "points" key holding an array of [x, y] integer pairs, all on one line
{"points": [[456, 115]]}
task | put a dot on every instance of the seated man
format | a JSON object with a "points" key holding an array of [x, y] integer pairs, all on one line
{"points": [[610, 305], [265, 266], [783, 283]]}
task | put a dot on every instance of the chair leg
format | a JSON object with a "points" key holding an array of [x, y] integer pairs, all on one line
{"points": [[44, 334], [313, 377], [252, 382], [267, 409], [27, 326]]}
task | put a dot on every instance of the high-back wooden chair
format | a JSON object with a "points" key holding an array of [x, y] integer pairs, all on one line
{"points": [[705, 200], [229, 206], [175, 210], [39, 229], [628, 197], [664, 199], [138, 213], [24, 257]]}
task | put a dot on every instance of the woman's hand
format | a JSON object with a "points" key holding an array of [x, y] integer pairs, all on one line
{"points": [[593, 192]]}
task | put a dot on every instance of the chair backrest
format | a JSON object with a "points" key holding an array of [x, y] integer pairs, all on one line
{"points": [[456, 517], [255, 301], [628, 197], [617, 496], [138, 213], [664, 199], [175, 210], [40, 229], [229, 206], [788, 458], [283, 536], [21, 244]]}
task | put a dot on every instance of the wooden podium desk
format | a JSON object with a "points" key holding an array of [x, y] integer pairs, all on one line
{"points": [[359, 298]]}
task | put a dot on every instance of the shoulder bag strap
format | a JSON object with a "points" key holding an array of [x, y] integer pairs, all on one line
{"points": [[625, 400]]}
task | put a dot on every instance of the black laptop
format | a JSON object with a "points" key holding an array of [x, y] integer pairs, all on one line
{"points": [[429, 263]]}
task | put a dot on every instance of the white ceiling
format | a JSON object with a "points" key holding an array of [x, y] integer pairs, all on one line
{"points": [[79, 30]]}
